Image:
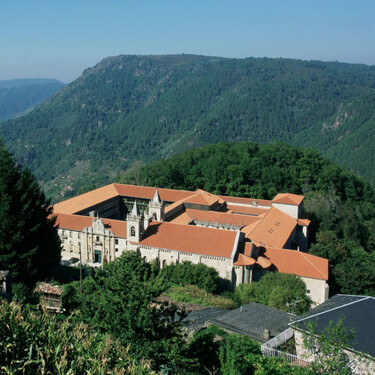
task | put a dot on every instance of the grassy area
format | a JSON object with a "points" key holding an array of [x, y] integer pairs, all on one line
{"points": [[197, 296]]}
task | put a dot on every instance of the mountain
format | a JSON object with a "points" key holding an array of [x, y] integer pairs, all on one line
{"points": [[19, 96], [129, 108]]}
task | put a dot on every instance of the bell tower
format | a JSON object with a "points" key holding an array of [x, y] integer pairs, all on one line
{"points": [[134, 224], [156, 207]]}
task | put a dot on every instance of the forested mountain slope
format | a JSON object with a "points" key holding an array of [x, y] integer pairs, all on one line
{"points": [[130, 108], [18, 96]]}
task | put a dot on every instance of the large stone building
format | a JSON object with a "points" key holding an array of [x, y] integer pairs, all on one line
{"points": [[241, 238]]}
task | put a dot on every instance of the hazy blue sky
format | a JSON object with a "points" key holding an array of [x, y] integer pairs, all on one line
{"points": [[59, 39]]}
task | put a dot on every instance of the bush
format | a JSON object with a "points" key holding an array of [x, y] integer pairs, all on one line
{"points": [[278, 290], [21, 293], [186, 273], [195, 295]]}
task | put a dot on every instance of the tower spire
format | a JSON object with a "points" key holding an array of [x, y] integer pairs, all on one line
{"points": [[135, 209], [156, 198]]}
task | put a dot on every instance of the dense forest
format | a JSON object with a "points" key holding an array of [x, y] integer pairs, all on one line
{"points": [[341, 205], [19, 96], [142, 108]]}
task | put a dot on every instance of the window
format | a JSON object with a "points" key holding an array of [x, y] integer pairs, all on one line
{"points": [[154, 216], [97, 239], [116, 249], [116, 241], [70, 234], [132, 231], [79, 235]]}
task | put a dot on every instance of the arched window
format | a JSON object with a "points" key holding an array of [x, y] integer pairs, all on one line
{"points": [[132, 231], [164, 263], [154, 216]]}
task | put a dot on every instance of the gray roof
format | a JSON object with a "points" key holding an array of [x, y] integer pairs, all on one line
{"points": [[358, 313], [253, 319], [198, 319]]}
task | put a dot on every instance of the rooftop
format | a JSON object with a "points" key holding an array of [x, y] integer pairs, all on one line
{"points": [[86, 200], [288, 198], [78, 223], [220, 217], [48, 289], [357, 312], [297, 262], [189, 239], [274, 230], [253, 319]]}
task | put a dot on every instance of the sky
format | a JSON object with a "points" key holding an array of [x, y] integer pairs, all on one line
{"points": [[59, 39]]}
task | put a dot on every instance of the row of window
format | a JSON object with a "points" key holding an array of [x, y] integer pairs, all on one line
{"points": [[97, 238]]}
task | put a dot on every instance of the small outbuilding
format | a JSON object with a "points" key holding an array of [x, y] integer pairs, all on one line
{"points": [[50, 296]]}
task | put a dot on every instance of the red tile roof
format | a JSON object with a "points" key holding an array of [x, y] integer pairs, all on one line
{"points": [[146, 192], [190, 239], [243, 260], [221, 217], [78, 223], [298, 262], [263, 262], [288, 198], [202, 197], [274, 230], [248, 201], [253, 211], [84, 201], [303, 222]]}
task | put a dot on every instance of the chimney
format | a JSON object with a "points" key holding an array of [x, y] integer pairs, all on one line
{"points": [[266, 334]]}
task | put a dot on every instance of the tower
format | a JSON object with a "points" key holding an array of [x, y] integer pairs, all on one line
{"points": [[134, 224], [156, 207]]}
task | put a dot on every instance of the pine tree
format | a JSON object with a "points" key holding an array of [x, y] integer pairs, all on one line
{"points": [[29, 244]]}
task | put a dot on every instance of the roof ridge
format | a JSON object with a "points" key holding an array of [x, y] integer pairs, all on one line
{"points": [[303, 254]]}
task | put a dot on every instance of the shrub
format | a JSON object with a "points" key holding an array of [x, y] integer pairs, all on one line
{"points": [[186, 273], [278, 290], [193, 294]]}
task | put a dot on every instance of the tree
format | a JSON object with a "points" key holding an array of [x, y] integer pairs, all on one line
{"points": [[29, 244], [328, 347], [120, 300], [278, 290], [186, 273]]}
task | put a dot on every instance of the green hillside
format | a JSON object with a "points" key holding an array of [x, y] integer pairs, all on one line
{"points": [[129, 108], [19, 96]]}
